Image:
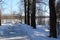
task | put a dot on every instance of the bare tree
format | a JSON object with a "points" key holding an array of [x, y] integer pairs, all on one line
{"points": [[41, 10], [53, 32], [58, 9], [0, 11], [33, 10], [25, 11], [0, 17], [28, 13]]}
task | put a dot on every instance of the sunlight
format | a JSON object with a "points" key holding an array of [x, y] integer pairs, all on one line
{"points": [[36, 33], [46, 30]]}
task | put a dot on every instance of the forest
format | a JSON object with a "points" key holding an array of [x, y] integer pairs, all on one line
{"points": [[37, 19]]}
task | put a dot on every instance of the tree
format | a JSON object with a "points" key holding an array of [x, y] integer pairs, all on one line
{"points": [[41, 10], [33, 10], [53, 32], [28, 16], [58, 10], [0, 11], [25, 11], [0, 17], [58, 16], [1, 8]]}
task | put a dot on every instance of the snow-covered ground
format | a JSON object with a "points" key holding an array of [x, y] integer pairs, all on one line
{"points": [[17, 31]]}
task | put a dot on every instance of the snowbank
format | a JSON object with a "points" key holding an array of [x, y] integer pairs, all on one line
{"points": [[40, 33]]}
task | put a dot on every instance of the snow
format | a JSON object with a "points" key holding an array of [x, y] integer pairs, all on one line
{"points": [[19, 31]]}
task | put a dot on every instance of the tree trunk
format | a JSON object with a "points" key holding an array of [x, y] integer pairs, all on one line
{"points": [[28, 16], [0, 17], [53, 32], [33, 10], [25, 10]]}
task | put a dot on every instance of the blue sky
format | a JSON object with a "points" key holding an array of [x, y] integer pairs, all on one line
{"points": [[7, 6]]}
